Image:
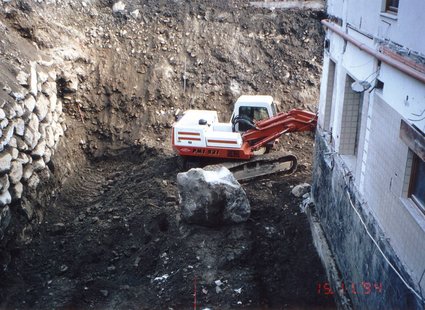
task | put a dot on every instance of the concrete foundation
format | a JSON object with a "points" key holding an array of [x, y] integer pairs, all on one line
{"points": [[365, 274]]}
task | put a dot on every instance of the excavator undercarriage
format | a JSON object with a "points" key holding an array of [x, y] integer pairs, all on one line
{"points": [[258, 166]]}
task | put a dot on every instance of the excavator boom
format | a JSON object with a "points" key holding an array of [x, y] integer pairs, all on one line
{"points": [[272, 128]]}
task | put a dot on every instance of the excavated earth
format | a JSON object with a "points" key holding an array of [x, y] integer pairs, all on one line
{"points": [[106, 231]]}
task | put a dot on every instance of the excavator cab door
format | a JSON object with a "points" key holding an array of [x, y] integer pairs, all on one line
{"points": [[253, 114]]}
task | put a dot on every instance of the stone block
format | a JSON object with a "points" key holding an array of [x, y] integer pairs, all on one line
{"points": [[4, 183], [5, 162], [16, 171], [42, 107], [5, 198]]}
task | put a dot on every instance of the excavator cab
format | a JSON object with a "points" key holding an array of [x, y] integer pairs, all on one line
{"points": [[251, 109]]}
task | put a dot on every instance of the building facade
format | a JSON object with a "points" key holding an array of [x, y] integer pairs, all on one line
{"points": [[369, 172]]}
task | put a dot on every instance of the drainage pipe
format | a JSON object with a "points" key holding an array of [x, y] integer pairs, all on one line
{"points": [[384, 58]]}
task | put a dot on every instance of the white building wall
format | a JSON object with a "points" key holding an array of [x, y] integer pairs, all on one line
{"points": [[369, 16], [380, 165], [410, 25], [401, 221], [404, 94]]}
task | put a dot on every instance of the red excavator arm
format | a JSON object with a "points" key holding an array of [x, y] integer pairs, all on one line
{"points": [[272, 128]]}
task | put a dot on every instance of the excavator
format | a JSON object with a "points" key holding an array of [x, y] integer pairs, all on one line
{"points": [[243, 142]]}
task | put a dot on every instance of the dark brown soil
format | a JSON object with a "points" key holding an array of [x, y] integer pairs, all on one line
{"points": [[114, 230]]}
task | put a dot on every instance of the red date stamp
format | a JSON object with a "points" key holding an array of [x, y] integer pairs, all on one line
{"points": [[360, 288]]}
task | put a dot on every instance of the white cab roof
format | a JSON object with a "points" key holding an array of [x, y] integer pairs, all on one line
{"points": [[247, 99]]}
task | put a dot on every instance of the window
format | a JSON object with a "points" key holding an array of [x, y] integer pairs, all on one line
{"points": [[391, 6], [417, 182], [351, 119], [414, 180], [252, 114], [329, 95]]}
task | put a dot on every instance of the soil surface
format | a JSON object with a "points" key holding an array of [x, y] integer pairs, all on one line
{"points": [[112, 238], [107, 232]]}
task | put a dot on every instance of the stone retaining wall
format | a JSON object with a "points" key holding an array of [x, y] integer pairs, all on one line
{"points": [[31, 124]]}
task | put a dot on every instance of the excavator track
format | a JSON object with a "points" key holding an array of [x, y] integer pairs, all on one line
{"points": [[260, 166]]}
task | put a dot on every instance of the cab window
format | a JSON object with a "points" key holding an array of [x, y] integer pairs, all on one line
{"points": [[253, 114]]}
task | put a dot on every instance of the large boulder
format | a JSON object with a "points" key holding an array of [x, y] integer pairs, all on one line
{"points": [[212, 198]]}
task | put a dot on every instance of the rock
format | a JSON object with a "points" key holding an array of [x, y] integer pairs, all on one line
{"points": [[5, 198], [34, 123], [10, 111], [23, 158], [49, 117], [27, 172], [22, 78], [301, 189], [5, 162], [7, 134], [18, 109], [47, 155], [5, 217], [53, 99], [39, 149], [4, 140], [38, 164], [17, 96], [4, 183], [13, 151], [59, 106], [49, 88], [50, 137], [212, 198], [52, 75], [135, 14], [28, 137], [42, 107], [37, 137], [15, 174], [17, 191], [43, 129], [33, 79], [33, 181], [72, 85], [58, 133], [2, 114], [118, 7], [42, 77], [29, 103], [4, 123], [21, 145], [19, 126], [13, 142]]}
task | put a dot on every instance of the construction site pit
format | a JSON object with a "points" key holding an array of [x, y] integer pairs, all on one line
{"points": [[104, 230]]}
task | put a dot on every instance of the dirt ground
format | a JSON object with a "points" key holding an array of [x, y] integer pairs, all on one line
{"points": [[112, 239], [107, 232]]}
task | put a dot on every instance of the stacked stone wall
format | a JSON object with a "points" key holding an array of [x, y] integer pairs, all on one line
{"points": [[31, 124]]}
